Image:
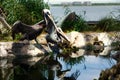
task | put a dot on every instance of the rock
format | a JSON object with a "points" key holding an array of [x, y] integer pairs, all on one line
{"points": [[98, 46], [4, 46], [81, 39], [77, 39], [105, 52], [6, 63], [3, 52], [26, 49], [92, 36], [19, 49], [111, 74]]}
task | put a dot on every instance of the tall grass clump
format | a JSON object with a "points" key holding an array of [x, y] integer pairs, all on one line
{"points": [[108, 24]]}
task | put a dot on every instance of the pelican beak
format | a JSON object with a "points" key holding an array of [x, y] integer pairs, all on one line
{"points": [[63, 34], [45, 19]]}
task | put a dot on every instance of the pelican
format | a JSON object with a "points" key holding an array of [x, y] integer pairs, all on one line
{"points": [[29, 32], [55, 34]]}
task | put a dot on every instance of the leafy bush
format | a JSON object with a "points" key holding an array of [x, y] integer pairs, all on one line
{"points": [[28, 11]]}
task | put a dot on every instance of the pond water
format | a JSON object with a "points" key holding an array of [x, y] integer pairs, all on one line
{"points": [[90, 68], [90, 13], [55, 67]]}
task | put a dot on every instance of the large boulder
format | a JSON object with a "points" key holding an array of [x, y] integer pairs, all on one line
{"points": [[91, 37], [4, 47], [20, 49], [76, 39]]}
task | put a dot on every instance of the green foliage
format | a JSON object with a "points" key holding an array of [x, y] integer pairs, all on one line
{"points": [[73, 61], [108, 24], [18, 36], [5, 37], [77, 23], [116, 45], [28, 11]]}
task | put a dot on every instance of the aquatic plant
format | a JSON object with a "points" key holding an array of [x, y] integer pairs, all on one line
{"points": [[108, 24], [116, 45], [73, 61]]}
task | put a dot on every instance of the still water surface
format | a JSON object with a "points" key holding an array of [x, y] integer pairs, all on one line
{"points": [[90, 13], [54, 67], [89, 68]]}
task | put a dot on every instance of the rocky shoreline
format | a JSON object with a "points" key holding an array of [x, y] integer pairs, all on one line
{"points": [[25, 48], [111, 74], [77, 39]]}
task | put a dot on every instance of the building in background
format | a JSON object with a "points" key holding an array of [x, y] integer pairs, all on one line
{"points": [[87, 3], [76, 3]]}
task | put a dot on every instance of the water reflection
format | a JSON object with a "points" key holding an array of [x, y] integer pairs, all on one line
{"points": [[73, 66], [6, 69]]}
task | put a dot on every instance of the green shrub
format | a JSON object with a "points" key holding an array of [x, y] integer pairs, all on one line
{"points": [[28, 11], [76, 23]]}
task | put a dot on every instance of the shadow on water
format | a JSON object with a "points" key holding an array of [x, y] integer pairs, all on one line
{"points": [[86, 66]]}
